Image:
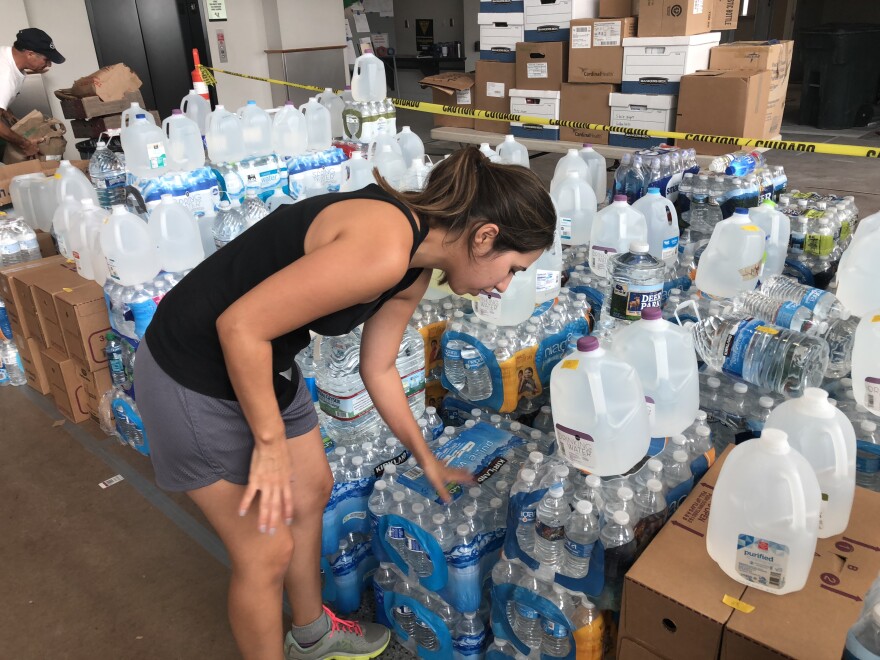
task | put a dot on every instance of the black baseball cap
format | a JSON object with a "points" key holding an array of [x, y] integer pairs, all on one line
{"points": [[38, 41]]}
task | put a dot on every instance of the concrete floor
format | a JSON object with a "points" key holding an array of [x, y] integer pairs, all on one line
{"points": [[132, 572]]}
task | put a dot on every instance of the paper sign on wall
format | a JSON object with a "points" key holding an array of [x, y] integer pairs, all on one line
{"points": [[216, 10]]}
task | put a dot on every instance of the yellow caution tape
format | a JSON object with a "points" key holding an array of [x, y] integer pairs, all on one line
{"points": [[737, 604], [526, 120]]}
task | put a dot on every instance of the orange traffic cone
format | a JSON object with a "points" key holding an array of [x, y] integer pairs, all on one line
{"points": [[198, 82]]}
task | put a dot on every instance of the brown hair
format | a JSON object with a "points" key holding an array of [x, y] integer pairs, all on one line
{"points": [[466, 191]]}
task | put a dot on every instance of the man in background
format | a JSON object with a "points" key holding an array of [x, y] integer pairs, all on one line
{"points": [[33, 52]]}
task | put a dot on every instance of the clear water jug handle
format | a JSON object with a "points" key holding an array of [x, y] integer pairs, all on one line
{"points": [[686, 303], [838, 442], [799, 503]]}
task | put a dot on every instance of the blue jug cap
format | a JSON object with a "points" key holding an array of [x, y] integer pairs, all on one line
{"points": [[653, 190], [742, 211]]}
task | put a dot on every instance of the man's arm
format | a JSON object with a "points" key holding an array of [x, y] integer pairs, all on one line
{"points": [[27, 147]]}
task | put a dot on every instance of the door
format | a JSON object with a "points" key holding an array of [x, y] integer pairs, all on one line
{"points": [[155, 39]]}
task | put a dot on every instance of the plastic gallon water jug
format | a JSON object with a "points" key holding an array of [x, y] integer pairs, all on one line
{"points": [[175, 234], [390, 165], [598, 170], [866, 362], [145, 155], [614, 228], [318, 125], [663, 356], [335, 105], [662, 221], [733, 259], [764, 518], [777, 229], [70, 180], [570, 162], [183, 142], [224, 137], [61, 224], [549, 266], [599, 411], [576, 205], [858, 274], [197, 108], [19, 191], [85, 223], [290, 137], [129, 249], [383, 138], [368, 79], [826, 438], [411, 146], [512, 152], [867, 225], [358, 173], [512, 307], [128, 116], [43, 192], [256, 129]]}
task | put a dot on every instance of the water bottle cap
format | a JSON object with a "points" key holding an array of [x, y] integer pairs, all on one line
{"points": [[587, 344], [621, 517], [680, 456], [593, 481], [653, 190], [713, 382], [470, 511], [868, 426], [740, 388], [625, 493], [654, 485], [357, 461], [701, 415], [462, 530], [391, 468], [495, 419], [652, 314], [655, 465], [422, 422], [620, 198], [562, 471], [534, 435], [774, 440], [584, 507], [475, 492], [527, 475], [508, 138], [439, 519], [536, 457], [449, 430], [398, 496], [430, 410], [705, 431], [469, 424], [495, 503], [418, 508], [556, 491], [381, 484]]}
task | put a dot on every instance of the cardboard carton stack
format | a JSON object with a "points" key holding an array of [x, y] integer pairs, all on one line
{"points": [[58, 321], [95, 102]]}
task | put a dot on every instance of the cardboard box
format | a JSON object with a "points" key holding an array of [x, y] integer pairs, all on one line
{"points": [[32, 361], [673, 597], [74, 107], [674, 18], [728, 103], [92, 128], [65, 386], [452, 88], [725, 14], [655, 65], [596, 52], [616, 8], [111, 83], [502, 6], [541, 65], [46, 243], [96, 384], [499, 35], [535, 103], [47, 167], [760, 56], [587, 103], [16, 303], [547, 20], [654, 112], [82, 315], [35, 290], [494, 82]]}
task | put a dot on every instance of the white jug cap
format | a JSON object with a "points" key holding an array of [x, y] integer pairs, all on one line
{"points": [[774, 440]]}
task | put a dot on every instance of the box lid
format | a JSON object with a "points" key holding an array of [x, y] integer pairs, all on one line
{"points": [[449, 82], [650, 101], [693, 40], [535, 93], [485, 18], [88, 292]]}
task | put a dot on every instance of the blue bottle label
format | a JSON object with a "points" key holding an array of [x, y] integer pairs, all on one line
{"points": [[526, 612], [527, 516], [786, 314], [736, 346], [474, 363], [811, 298], [554, 630], [470, 644], [451, 353], [579, 550], [396, 533]]}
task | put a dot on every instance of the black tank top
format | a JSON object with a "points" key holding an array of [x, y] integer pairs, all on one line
{"points": [[183, 334]]}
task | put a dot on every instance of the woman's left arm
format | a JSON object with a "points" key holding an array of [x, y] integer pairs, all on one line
{"points": [[380, 344]]}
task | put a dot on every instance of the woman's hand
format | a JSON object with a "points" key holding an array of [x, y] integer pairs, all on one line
{"points": [[270, 476], [439, 474]]}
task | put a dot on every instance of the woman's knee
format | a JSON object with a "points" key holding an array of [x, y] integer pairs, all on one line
{"points": [[266, 556]]}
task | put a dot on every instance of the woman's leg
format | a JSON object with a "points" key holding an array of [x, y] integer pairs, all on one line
{"points": [[259, 564]]}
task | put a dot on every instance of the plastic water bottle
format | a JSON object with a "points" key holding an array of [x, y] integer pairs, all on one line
{"points": [[575, 204], [556, 642], [780, 360], [318, 125], [863, 639], [478, 380], [525, 529], [550, 518], [785, 314], [823, 304], [411, 146], [619, 541], [662, 223], [253, 209], [868, 456], [453, 364], [570, 163], [145, 155], [826, 438], [469, 637], [598, 170], [27, 240], [384, 581], [760, 536], [581, 534], [636, 282], [228, 224], [526, 620], [512, 152], [738, 163], [11, 362], [175, 233], [108, 176], [614, 228]]}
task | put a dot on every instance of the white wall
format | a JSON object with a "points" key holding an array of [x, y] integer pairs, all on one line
{"points": [[311, 23], [471, 33]]}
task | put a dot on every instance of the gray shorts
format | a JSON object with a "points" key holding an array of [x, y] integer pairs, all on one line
{"points": [[196, 440]]}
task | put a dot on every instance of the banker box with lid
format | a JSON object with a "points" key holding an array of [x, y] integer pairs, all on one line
{"points": [[596, 52], [535, 103], [655, 65], [502, 6], [548, 20], [654, 112], [499, 35]]}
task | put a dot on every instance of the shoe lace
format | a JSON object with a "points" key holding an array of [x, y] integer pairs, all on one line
{"points": [[343, 625]]}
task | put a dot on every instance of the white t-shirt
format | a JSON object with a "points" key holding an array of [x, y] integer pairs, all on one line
{"points": [[11, 79]]}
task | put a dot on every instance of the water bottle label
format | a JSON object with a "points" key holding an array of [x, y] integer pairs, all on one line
{"points": [[761, 561], [396, 533], [579, 550], [670, 249], [872, 394], [549, 532], [554, 630], [576, 446], [811, 298], [796, 243], [116, 365], [525, 611], [474, 363], [345, 408], [156, 155], [413, 383], [599, 259], [414, 545], [5, 328], [855, 650], [786, 313], [108, 182], [628, 300], [819, 245], [10, 248], [470, 644], [565, 226], [548, 280], [451, 353], [527, 516], [737, 344], [867, 457]]}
